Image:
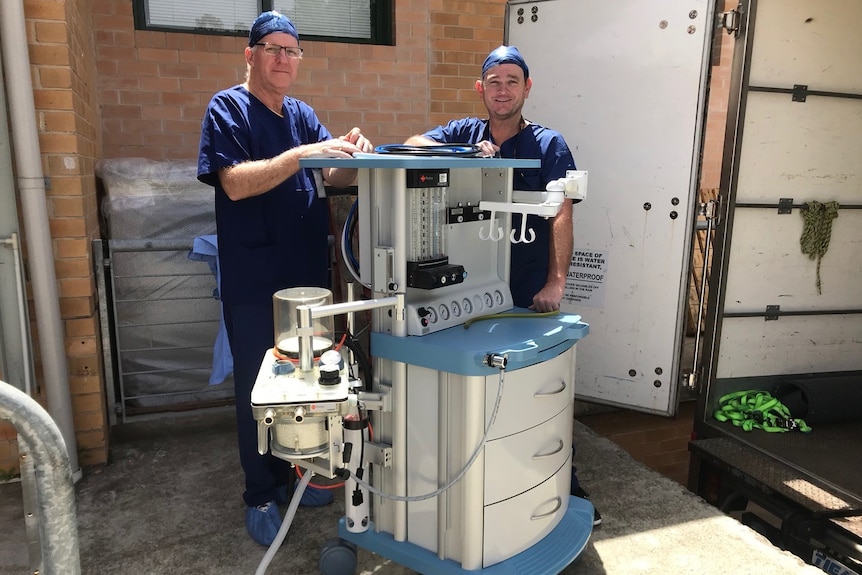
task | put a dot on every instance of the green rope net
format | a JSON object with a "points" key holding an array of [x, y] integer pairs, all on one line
{"points": [[817, 231]]}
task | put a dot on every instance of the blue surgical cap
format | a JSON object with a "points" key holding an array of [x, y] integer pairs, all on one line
{"points": [[505, 55], [270, 22]]}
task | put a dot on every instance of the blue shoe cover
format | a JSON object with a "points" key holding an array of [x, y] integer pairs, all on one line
{"points": [[313, 497], [263, 523]]}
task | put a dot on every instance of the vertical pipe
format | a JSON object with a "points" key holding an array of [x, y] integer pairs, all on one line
{"points": [[443, 475], [473, 482], [305, 337], [399, 369], [31, 187]]}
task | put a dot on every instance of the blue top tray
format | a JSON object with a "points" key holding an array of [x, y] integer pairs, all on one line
{"points": [[415, 162], [525, 341]]}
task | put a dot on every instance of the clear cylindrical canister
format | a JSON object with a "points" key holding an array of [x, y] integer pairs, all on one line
{"points": [[284, 304]]}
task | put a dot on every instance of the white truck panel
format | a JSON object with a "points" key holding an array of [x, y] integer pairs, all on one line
{"points": [[767, 266], [800, 150], [813, 43], [752, 347]]}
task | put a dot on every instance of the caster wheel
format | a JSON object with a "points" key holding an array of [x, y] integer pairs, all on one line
{"points": [[337, 557]]}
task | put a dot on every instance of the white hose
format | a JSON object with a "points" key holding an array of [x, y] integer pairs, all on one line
{"points": [[285, 524]]}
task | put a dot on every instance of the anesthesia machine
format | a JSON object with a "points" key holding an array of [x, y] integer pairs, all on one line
{"points": [[456, 450]]}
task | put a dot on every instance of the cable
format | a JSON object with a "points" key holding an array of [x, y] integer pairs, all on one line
{"points": [[361, 358], [347, 252], [347, 235], [300, 474], [448, 150], [460, 474]]}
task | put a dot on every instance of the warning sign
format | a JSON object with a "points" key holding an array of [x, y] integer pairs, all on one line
{"points": [[585, 284]]}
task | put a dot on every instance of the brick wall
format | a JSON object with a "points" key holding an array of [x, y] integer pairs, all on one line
{"points": [[105, 90], [63, 75], [153, 87]]}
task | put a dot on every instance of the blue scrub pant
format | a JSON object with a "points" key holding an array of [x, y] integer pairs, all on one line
{"points": [[250, 330]]}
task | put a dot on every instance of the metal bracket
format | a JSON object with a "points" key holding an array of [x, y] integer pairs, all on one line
{"points": [[772, 313], [785, 206], [800, 92], [379, 454], [384, 270], [690, 381], [376, 401]]}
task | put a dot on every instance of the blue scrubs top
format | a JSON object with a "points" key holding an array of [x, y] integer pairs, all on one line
{"points": [[277, 239], [529, 264]]}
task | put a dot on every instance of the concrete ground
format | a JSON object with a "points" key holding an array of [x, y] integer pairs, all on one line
{"points": [[169, 502]]}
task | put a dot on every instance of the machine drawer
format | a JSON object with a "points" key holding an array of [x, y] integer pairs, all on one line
{"points": [[531, 395], [535, 512], [536, 454]]}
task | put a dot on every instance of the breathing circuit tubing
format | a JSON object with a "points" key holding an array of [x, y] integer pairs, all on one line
{"points": [[445, 150]]}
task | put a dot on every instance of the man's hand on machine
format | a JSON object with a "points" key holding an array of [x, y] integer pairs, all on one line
{"points": [[548, 299], [355, 137], [489, 150]]}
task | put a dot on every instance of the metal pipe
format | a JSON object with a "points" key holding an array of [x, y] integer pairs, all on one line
{"points": [[58, 524], [306, 314], [31, 187], [153, 244], [709, 212], [351, 324], [399, 447]]}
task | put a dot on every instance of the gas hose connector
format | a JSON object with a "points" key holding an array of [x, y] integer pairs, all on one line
{"points": [[496, 360]]}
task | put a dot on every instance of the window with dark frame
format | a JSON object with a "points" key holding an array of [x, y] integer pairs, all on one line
{"points": [[353, 21]]}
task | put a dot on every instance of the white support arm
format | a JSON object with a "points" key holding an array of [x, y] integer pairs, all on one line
{"points": [[545, 204]]}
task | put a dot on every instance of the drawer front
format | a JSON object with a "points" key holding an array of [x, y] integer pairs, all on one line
{"points": [[535, 512], [531, 395], [517, 463]]}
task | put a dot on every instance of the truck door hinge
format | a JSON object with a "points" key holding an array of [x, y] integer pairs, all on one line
{"points": [[708, 209], [730, 21]]}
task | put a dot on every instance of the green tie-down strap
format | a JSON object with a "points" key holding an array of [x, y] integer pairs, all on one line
{"points": [[757, 410]]}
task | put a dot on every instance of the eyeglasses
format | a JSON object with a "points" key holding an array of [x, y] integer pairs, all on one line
{"points": [[275, 50]]}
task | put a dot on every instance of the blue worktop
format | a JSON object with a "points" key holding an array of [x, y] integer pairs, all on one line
{"points": [[414, 162], [524, 340]]}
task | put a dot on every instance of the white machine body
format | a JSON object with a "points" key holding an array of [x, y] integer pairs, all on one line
{"points": [[435, 244]]}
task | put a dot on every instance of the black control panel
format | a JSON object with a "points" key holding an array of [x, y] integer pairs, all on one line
{"points": [[434, 274]]}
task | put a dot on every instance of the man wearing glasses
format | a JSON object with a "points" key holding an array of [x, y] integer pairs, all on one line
{"points": [[272, 228]]}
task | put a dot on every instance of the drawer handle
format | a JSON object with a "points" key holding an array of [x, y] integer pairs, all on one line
{"points": [[554, 392], [554, 452], [551, 512]]}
